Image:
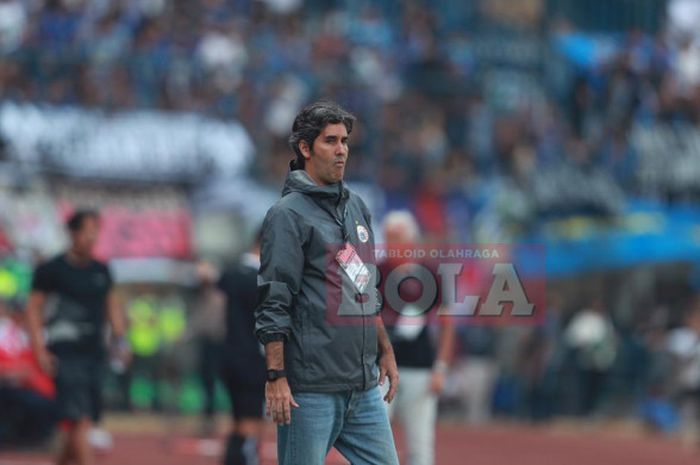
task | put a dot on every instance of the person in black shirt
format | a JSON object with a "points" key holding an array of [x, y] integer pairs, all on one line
{"points": [[422, 368], [75, 292], [206, 327], [244, 370]]}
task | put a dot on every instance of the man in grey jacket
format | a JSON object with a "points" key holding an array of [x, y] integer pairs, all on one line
{"points": [[326, 348]]}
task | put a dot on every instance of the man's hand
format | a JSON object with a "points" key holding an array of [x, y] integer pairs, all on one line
{"points": [[120, 355], [387, 367], [125, 355], [15, 377], [279, 401], [437, 382], [47, 361]]}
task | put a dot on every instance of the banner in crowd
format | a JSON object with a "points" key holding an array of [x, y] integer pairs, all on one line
{"points": [[142, 233], [644, 233], [142, 144]]}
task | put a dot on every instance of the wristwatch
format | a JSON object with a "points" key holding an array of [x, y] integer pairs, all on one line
{"points": [[273, 375]]}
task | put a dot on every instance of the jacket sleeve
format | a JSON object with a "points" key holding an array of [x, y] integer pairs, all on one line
{"points": [[280, 274]]}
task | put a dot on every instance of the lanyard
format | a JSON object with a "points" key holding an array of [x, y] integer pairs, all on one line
{"points": [[341, 223]]}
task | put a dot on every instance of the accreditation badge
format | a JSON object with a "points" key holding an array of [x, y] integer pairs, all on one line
{"points": [[354, 267]]}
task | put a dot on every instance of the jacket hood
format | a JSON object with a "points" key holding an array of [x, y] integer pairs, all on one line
{"points": [[298, 180]]}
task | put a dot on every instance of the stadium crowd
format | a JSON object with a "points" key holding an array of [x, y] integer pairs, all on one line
{"points": [[413, 72]]}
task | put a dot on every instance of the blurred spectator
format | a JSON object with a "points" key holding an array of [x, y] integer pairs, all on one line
{"points": [[207, 327], [684, 344], [619, 158], [13, 23], [476, 371], [540, 364], [592, 338], [508, 385], [243, 367], [657, 410], [162, 350], [26, 393], [684, 16], [687, 66], [422, 364], [72, 347]]}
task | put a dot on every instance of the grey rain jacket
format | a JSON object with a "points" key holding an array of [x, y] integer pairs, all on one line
{"points": [[306, 299]]}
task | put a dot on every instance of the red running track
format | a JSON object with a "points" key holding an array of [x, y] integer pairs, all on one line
{"points": [[457, 445]]}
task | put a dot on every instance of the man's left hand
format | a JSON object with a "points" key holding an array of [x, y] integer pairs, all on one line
{"points": [[437, 382], [387, 367], [121, 354]]}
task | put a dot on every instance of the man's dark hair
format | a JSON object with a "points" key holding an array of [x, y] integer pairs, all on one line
{"points": [[310, 121], [77, 219]]}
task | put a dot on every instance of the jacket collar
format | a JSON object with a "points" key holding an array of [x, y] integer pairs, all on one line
{"points": [[298, 180]]}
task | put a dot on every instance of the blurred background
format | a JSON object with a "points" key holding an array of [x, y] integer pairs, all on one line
{"points": [[566, 123]]}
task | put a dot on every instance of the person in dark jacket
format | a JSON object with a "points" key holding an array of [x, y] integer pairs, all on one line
{"points": [[326, 348], [243, 371]]}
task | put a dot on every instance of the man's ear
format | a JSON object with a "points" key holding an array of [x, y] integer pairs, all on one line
{"points": [[305, 149]]}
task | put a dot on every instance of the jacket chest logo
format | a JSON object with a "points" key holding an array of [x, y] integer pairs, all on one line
{"points": [[362, 233]]}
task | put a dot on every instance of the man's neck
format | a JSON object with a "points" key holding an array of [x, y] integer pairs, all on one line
{"points": [[77, 258], [315, 178]]}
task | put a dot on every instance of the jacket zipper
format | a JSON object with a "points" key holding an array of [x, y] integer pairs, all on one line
{"points": [[346, 238]]}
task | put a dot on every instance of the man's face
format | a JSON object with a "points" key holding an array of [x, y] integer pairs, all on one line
{"points": [[396, 234], [397, 237], [326, 160], [85, 238]]}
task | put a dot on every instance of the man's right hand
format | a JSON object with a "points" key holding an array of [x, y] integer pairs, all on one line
{"points": [[279, 401], [47, 361]]}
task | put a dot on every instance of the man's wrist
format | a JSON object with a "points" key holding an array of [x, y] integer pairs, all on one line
{"points": [[267, 338], [38, 348], [122, 343], [275, 374], [440, 366], [386, 349]]}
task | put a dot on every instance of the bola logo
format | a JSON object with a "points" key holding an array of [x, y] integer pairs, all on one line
{"points": [[491, 284], [362, 233]]}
